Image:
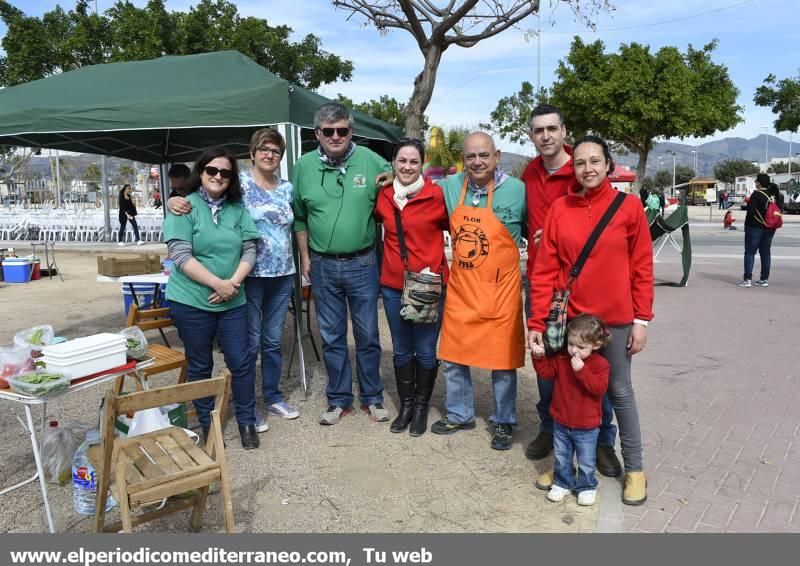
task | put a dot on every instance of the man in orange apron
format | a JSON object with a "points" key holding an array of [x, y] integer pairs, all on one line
{"points": [[482, 321]]}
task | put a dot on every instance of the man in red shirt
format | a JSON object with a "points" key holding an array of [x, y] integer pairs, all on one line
{"points": [[547, 178]]}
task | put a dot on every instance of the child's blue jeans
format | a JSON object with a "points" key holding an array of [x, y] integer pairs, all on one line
{"points": [[574, 441]]}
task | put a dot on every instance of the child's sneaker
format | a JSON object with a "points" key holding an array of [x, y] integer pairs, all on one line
{"points": [[745, 283], [587, 497], [557, 493], [761, 283]]}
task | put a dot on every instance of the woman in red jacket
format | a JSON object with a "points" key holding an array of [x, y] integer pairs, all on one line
{"points": [[616, 285], [423, 214]]}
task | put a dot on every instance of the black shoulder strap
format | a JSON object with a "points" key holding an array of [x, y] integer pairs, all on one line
{"points": [[587, 249], [401, 238]]}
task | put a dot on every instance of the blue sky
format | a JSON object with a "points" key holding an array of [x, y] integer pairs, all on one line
{"points": [[756, 37]]}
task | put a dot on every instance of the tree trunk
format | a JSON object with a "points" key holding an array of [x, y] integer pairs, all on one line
{"points": [[641, 169], [423, 90]]}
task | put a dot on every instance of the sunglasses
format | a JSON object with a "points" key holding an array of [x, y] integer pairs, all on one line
{"points": [[328, 132], [212, 172]]}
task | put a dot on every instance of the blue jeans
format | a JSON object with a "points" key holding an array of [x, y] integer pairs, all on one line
{"points": [[410, 339], [267, 305], [757, 240], [608, 432], [582, 443], [339, 284], [459, 396], [198, 329]]}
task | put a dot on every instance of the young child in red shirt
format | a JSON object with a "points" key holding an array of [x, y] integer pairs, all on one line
{"points": [[581, 380], [727, 222]]}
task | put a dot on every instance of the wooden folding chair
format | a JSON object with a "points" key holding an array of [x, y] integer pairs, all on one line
{"points": [[166, 358], [143, 470]]}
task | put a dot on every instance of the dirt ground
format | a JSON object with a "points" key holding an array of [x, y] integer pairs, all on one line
{"points": [[352, 477]]}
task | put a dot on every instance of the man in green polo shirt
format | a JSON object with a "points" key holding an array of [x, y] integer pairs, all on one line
{"points": [[334, 196]]}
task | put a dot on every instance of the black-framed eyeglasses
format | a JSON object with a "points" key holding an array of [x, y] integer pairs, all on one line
{"points": [[269, 151], [328, 132], [213, 171]]}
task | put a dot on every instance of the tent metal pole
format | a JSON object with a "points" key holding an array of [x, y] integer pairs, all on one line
{"points": [[58, 181], [291, 134], [163, 169], [106, 199]]}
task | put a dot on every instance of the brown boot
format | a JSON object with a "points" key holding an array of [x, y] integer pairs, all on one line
{"points": [[635, 492]]}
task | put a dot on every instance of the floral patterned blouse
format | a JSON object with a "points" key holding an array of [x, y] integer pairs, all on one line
{"points": [[272, 213]]}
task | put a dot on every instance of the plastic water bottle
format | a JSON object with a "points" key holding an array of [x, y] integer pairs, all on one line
{"points": [[84, 479]]}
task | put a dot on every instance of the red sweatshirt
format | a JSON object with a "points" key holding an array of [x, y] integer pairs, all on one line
{"points": [[542, 189], [424, 218], [577, 396], [616, 284]]}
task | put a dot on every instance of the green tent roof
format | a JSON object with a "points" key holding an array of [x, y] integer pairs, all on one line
{"points": [[166, 109]]}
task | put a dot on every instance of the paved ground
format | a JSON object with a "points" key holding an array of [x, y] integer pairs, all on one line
{"points": [[717, 389], [719, 392]]}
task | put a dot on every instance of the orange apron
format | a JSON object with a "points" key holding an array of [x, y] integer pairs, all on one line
{"points": [[482, 321]]}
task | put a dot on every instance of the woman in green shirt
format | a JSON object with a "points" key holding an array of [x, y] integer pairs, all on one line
{"points": [[213, 248]]}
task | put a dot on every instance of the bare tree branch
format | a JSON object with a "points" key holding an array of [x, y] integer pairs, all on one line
{"points": [[436, 25]]}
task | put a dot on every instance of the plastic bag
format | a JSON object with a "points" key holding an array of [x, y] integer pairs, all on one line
{"points": [[59, 443], [13, 361], [147, 420], [137, 342], [35, 338]]}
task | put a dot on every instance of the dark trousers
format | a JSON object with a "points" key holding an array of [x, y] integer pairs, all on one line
{"points": [[197, 329], [122, 222]]}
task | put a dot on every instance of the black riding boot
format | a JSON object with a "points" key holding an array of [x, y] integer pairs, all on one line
{"points": [[426, 377], [404, 375]]}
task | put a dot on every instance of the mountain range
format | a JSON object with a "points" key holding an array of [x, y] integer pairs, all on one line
{"points": [[708, 154]]}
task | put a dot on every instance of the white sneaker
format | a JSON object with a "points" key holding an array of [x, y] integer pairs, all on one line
{"points": [[120, 244], [283, 410], [745, 283], [261, 422], [557, 493], [761, 283], [140, 243], [587, 497]]}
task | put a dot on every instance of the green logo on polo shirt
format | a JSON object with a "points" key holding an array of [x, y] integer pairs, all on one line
{"points": [[359, 182]]}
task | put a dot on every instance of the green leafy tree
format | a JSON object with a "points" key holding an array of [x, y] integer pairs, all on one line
{"points": [[784, 98], [683, 174], [510, 119], [634, 97], [62, 41], [125, 173], [783, 167], [437, 26], [649, 184], [727, 170], [385, 108]]}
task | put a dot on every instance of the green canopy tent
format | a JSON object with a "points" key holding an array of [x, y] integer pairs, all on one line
{"points": [[164, 110], [169, 110]]}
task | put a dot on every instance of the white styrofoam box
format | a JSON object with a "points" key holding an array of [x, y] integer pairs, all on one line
{"points": [[96, 343], [88, 364]]}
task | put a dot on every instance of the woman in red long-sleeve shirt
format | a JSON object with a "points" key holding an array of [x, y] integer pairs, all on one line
{"points": [[423, 214], [615, 285]]}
